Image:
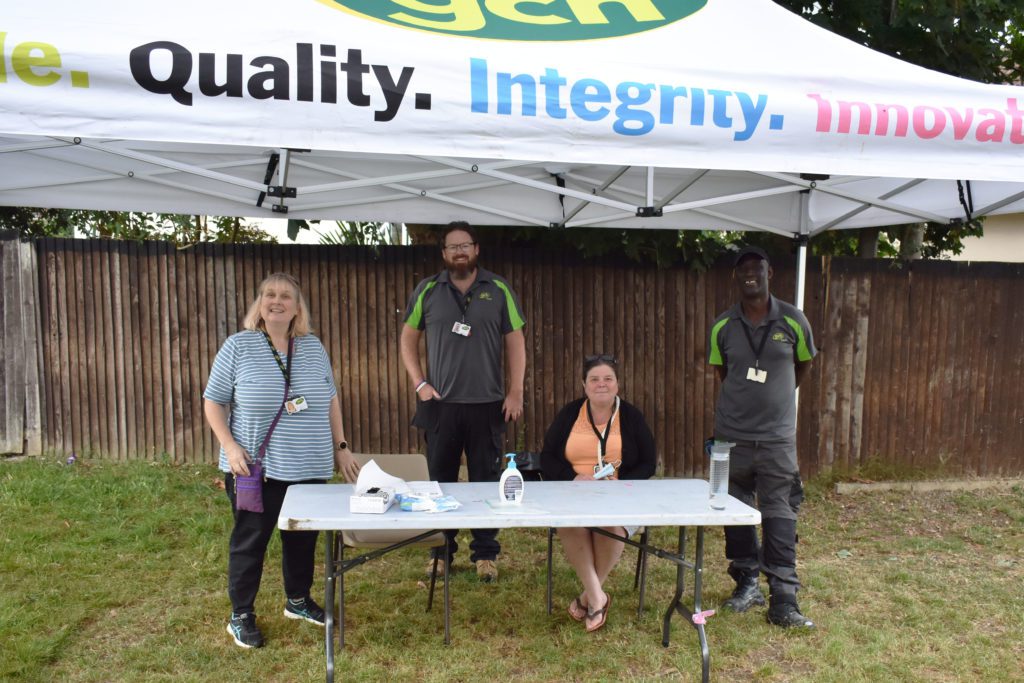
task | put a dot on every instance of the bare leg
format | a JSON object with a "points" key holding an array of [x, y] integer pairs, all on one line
{"points": [[607, 552], [579, 550]]}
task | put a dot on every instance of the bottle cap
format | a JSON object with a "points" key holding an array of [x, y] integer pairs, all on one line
{"points": [[721, 447], [511, 461]]}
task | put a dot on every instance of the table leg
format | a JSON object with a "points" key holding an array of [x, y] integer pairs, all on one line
{"points": [[447, 597], [680, 585], [698, 587], [329, 602], [340, 554], [550, 579]]}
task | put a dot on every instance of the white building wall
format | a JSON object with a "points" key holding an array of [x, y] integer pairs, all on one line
{"points": [[1003, 241]]}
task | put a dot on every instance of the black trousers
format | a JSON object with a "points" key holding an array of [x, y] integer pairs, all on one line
{"points": [[479, 430], [765, 475], [248, 547]]}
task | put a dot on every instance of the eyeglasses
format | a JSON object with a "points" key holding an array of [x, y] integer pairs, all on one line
{"points": [[601, 358], [465, 246]]}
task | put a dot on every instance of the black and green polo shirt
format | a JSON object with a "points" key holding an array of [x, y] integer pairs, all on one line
{"points": [[465, 369], [752, 411]]}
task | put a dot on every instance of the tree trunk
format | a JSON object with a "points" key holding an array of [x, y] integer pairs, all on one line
{"points": [[911, 240], [867, 243], [394, 233]]}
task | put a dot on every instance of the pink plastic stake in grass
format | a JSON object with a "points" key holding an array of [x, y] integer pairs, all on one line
{"points": [[700, 618]]}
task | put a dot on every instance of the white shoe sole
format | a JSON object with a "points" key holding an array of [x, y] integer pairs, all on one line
{"points": [[293, 615], [237, 641]]}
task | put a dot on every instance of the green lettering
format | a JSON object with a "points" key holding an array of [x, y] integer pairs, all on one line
{"points": [[589, 11], [25, 63], [466, 15], [507, 9]]}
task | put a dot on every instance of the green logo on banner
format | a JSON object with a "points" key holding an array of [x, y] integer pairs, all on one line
{"points": [[525, 20]]}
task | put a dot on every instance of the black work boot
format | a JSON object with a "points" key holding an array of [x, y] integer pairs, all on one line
{"points": [[787, 615], [746, 595]]}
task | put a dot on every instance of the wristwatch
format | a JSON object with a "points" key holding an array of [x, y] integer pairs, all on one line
{"points": [[342, 445]]}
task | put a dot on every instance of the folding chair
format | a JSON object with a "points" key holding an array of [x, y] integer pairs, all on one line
{"points": [[409, 467]]}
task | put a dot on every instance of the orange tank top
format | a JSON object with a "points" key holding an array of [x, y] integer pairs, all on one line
{"points": [[582, 446]]}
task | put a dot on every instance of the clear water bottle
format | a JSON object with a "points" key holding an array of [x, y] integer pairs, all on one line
{"points": [[719, 483]]}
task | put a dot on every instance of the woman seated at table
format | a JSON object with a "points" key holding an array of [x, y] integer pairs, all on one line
{"points": [[587, 434]]}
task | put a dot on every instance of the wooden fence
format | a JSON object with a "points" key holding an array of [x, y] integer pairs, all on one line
{"points": [[20, 413], [920, 366]]}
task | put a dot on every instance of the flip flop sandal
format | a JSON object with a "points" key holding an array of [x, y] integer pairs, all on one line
{"points": [[601, 615], [576, 610]]}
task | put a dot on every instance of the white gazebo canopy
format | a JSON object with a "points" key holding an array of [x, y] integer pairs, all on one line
{"points": [[671, 114]]}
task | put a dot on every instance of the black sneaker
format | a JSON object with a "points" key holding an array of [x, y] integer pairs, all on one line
{"points": [[304, 608], [787, 615], [746, 595], [244, 630]]}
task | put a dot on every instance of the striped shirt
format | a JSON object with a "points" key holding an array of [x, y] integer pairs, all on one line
{"points": [[246, 378]]}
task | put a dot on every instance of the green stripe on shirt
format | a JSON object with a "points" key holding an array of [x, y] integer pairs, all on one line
{"points": [[514, 316], [716, 353], [416, 317], [802, 352]]}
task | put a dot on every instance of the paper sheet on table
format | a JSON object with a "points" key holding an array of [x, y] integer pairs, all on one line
{"points": [[500, 507], [371, 475]]}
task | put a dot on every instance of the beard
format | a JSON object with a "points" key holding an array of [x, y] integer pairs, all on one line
{"points": [[461, 269]]}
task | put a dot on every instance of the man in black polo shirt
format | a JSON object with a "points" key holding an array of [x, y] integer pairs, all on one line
{"points": [[762, 347], [470, 315]]}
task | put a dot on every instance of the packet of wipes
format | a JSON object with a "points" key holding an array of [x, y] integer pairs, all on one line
{"points": [[413, 503]]}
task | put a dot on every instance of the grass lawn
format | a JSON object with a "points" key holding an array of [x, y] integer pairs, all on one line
{"points": [[116, 572]]}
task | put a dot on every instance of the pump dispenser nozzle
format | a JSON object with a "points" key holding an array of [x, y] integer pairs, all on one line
{"points": [[510, 486]]}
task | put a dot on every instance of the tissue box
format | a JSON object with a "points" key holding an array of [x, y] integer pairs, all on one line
{"points": [[374, 501]]}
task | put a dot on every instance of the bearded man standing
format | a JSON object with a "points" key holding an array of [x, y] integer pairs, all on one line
{"points": [[470, 315]]}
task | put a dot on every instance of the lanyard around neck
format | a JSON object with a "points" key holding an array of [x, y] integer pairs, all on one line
{"points": [[750, 340], [602, 439], [286, 370], [462, 300]]}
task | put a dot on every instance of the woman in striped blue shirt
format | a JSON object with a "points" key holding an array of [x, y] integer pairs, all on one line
{"points": [[244, 395]]}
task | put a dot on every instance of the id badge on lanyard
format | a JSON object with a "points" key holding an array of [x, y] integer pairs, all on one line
{"points": [[756, 374], [461, 327], [603, 469], [295, 404]]}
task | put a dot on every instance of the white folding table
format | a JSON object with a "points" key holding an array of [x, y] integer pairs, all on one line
{"points": [[651, 503]]}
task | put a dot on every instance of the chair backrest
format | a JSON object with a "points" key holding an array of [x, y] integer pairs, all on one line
{"points": [[528, 463], [407, 466]]}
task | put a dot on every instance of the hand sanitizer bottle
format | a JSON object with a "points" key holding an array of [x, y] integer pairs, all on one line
{"points": [[510, 486]]}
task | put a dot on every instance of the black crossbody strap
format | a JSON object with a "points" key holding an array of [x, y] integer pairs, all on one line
{"points": [[287, 381]]}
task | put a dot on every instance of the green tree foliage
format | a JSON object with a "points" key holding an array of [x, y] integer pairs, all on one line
{"points": [[694, 248], [977, 39], [181, 229]]}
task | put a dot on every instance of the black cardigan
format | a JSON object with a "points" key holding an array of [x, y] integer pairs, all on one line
{"points": [[638, 454]]}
